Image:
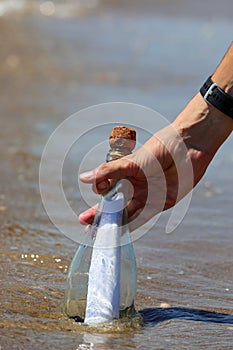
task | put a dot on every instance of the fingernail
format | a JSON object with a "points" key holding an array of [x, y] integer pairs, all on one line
{"points": [[88, 175], [81, 219]]}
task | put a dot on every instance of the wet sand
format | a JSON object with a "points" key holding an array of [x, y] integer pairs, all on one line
{"points": [[51, 67]]}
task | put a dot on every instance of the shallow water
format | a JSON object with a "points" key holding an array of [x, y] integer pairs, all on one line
{"points": [[51, 66]]}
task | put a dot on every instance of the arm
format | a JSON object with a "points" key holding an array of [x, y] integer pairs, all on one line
{"points": [[200, 126]]}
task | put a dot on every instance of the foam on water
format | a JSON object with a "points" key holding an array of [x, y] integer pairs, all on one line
{"points": [[48, 8], [7, 6]]}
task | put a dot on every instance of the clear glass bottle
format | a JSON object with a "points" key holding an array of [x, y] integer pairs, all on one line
{"points": [[122, 141]]}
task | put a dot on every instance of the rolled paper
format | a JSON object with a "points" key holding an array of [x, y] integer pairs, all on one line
{"points": [[103, 295]]}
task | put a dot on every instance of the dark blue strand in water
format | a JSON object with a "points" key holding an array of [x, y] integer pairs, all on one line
{"points": [[154, 316]]}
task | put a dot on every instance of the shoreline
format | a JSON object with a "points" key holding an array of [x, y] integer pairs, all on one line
{"points": [[208, 9]]}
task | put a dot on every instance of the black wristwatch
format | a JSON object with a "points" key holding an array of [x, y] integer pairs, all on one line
{"points": [[215, 96]]}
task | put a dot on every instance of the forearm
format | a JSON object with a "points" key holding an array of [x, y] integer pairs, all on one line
{"points": [[223, 75], [201, 125]]}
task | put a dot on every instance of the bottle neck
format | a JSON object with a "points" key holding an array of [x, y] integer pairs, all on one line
{"points": [[117, 153]]}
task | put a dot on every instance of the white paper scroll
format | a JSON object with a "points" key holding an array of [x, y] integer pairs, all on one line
{"points": [[103, 296]]}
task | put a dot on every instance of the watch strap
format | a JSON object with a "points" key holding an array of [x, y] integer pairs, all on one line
{"points": [[215, 96]]}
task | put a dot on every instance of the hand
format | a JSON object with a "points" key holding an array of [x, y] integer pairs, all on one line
{"points": [[162, 172]]}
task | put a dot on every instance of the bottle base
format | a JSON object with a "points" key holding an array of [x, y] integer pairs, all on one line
{"points": [[129, 316]]}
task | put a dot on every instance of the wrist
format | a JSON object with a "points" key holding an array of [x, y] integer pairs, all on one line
{"points": [[202, 126]]}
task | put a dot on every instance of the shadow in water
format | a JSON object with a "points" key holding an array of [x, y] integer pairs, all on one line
{"points": [[153, 316]]}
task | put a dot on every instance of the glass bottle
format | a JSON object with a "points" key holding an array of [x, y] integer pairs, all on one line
{"points": [[122, 141]]}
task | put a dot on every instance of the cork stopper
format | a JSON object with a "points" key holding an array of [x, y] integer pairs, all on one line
{"points": [[122, 137]]}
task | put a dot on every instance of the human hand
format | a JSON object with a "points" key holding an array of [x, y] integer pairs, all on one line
{"points": [[161, 173]]}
